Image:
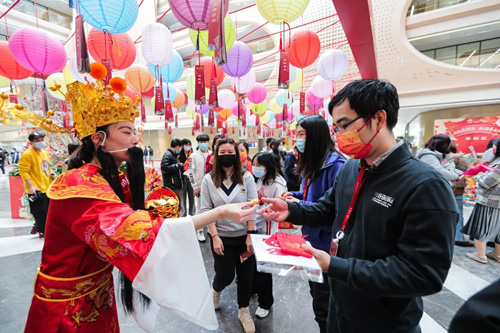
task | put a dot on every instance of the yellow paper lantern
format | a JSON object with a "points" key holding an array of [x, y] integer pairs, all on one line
{"points": [[277, 11], [260, 108], [274, 107], [265, 118], [4, 82], [229, 32], [56, 79], [297, 83], [68, 76], [293, 125], [190, 84]]}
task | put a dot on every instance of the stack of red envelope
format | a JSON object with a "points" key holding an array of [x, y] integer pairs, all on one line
{"points": [[292, 244]]}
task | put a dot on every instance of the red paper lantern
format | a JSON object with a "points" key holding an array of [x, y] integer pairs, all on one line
{"points": [[105, 46], [208, 64], [304, 48], [9, 67]]}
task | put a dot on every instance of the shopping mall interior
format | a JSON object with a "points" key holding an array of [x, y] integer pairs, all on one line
{"points": [[250, 74]]}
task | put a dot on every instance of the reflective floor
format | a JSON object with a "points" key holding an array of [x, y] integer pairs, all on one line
{"points": [[292, 312]]}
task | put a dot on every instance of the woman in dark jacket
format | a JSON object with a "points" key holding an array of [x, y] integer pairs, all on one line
{"points": [[292, 179], [318, 165]]}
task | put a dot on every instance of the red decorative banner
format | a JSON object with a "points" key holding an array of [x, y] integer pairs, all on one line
{"points": [[241, 112], [169, 130], [176, 121], [107, 64], [302, 102], [202, 123], [82, 56], [284, 72], [143, 110], [166, 124], [216, 33], [199, 95], [159, 106], [285, 114], [13, 98], [169, 114], [212, 100], [211, 117]]}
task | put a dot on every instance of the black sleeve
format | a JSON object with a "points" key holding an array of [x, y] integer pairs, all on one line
{"points": [[320, 214], [289, 169], [481, 313], [423, 251], [168, 165]]}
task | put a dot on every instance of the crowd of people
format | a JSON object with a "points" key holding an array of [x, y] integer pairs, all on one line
{"points": [[380, 221]]}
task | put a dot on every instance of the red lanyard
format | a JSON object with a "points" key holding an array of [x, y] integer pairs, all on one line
{"points": [[306, 188], [357, 188]]}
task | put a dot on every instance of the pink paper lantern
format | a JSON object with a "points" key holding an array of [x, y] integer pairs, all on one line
{"points": [[258, 93], [313, 107], [226, 98], [322, 88], [234, 109], [38, 51], [311, 98], [194, 14]]}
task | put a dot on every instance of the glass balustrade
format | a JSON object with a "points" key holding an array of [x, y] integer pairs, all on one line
{"points": [[423, 6], [46, 14]]}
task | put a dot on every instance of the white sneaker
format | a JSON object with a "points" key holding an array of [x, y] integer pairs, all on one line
{"points": [[261, 313], [201, 236], [246, 320], [216, 298]]}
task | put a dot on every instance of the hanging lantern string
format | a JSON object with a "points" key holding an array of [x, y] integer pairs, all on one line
{"points": [[9, 9], [36, 13], [198, 47], [6, 28]]}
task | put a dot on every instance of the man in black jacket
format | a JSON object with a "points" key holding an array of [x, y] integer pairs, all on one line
{"points": [[171, 169], [395, 240]]}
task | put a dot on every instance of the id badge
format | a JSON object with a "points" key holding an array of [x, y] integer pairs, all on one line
{"points": [[334, 248]]}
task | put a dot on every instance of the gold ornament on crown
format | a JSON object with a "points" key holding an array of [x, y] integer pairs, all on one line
{"points": [[94, 105], [14, 114]]}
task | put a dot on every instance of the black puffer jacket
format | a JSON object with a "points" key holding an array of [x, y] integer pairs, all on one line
{"points": [[171, 170]]}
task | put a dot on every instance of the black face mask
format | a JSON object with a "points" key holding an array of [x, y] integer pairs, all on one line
{"points": [[227, 160]]}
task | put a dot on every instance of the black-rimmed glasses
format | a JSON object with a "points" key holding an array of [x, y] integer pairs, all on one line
{"points": [[342, 128]]}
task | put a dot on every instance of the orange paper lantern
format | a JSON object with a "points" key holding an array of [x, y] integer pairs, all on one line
{"points": [[9, 67], [179, 100], [225, 113], [139, 79], [304, 48], [118, 48]]}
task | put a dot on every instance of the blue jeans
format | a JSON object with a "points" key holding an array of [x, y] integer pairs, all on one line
{"points": [[460, 204]]}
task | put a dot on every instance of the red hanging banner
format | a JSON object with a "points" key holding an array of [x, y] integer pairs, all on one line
{"points": [[107, 64], [199, 95], [170, 130], [169, 114], [284, 72], [212, 100], [159, 106], [202, 123], [241, 112], [82, 56], [285, 114], [210, 117], [13, 98], [176, 121], [302, 102], [143, 110], [166, 124], [216, 33], [211, 130]]}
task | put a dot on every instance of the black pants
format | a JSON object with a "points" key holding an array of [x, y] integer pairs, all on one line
{"points": [[263, 286], [292, 187], [187, 193], [39, 210], [320, 293], [2, 168], [226, 265]]}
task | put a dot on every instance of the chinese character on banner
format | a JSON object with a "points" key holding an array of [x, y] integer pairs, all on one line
{"points": [[213, 100], [284, 72], [169, 114], [302, 102], [159, 106], [199, 97]]}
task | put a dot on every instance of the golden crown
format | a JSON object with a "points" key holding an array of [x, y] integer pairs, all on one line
{"points": [[94, 105]]}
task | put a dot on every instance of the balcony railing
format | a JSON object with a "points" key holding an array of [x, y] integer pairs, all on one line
{"points": [[44, 13], [423, 6]]}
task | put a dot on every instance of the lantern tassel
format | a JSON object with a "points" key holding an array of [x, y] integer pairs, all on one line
{"points": [[116, 45]]}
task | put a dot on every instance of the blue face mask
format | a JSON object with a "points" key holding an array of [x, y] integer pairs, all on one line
{"points": [[40, 145], [178, 151], [281, 148], [259, 172], [203, 146], [301, 145]]}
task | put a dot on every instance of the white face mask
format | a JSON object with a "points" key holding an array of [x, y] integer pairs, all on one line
{"points": [[40, 145], [187, 148], [111, 151]]}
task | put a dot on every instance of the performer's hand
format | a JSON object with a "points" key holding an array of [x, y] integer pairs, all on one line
{"points": [[249, 243], [240, 212], [218, 246], [321, 256], [197, 192], [277, 210]]}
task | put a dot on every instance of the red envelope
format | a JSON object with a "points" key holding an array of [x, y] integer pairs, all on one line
{"points": [[292, 244]]}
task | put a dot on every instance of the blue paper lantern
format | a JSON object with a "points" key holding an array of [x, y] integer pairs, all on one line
{"points": [[113, 16], [284, 97], [171, 72], [169, 93]]}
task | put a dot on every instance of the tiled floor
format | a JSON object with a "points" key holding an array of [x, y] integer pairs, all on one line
{"points": [[20, 255]]}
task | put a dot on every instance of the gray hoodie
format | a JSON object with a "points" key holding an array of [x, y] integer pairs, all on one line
{"points": [[272, 190], [434, 159]]}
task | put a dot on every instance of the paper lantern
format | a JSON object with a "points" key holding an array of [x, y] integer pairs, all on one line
{"points": [[332, 64], [170, 72], [157, 44], [226, 98], [245, 83], [9, 67], [193, 14], [239, 60], [179, 100], [37, 51], [234, 109], [112, 16], [314, 107], [4, 81], [102, 46], [71, 73], [258, 93], [132, 94], [52, 80], [259, 109], [274, 106], [284, 97], [202, 109], [225, 113], [208, 67], [266, 117], [297, 83], [139, 78], [252, 120], [322, 88], [229, 36], [295, 108], [311, 98], [277, 11], [304, 48], [190, 86]]}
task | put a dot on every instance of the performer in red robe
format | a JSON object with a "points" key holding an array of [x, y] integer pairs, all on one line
{"points": [[91, 229]]}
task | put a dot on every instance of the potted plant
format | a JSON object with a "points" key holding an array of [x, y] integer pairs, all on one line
{"points": [[16, 193]]}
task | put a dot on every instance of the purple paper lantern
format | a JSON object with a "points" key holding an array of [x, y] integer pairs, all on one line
{"points": [[202, 109], [37, 51], [239, 60], [193, 14], [258, 93]]}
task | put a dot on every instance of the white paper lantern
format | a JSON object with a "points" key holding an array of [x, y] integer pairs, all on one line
{"points": [[81, 77], [332, 65], [245, 83], [157, 44], [226, 98], [321, 87]]}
